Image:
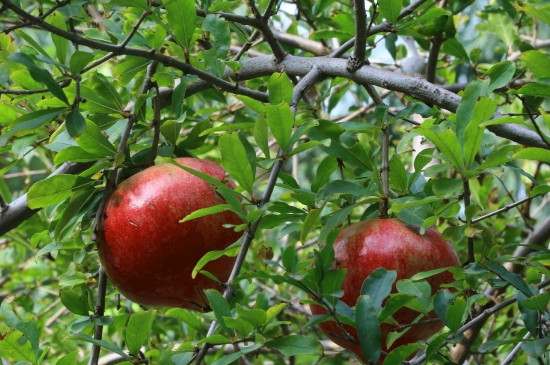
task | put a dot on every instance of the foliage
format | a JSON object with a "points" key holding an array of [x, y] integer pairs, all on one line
{"points": [[445, 123]]}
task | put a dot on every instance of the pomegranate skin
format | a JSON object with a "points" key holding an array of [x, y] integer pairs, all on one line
{"points": [[147, 253], [366, 246]]}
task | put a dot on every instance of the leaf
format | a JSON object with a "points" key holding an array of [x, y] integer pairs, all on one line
{"points": [[93, 141], [533, 89], [529, 316], [280, 89], [231, 358], [40, 75], [182, 17], [55, 189], [76, 300], [296, 345], [30, 121], [537, 62], [442, 301], [186, 316], [456, 313], [342, 187], [61, 44], [28, 329], [368, 328], [534, 153], [398, 175], [281, 122], [206, 211], [231, 251], [473, 135], [76, 124], [219, 305], [394, 303], [138, 329], [399, 204], [324, 171], [500, 74], [447, 143], [512, 278], [14, 345], [400, 354], [465, 109], [378, 285], [79, 60], [111, 347], [389, 9], [309, 223], [235, 160]]}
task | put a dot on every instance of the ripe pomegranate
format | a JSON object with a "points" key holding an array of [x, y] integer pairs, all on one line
{"points": [[145, 250], [366, 246]]}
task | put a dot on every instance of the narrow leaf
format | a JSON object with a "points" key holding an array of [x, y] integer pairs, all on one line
{"points": [[368, 328], [182, 18], [206, 211], [296, 345], [30, 121], [281, 122], [76, 124], [138, 329], [55, 189], [235, 160], [378, 286]]}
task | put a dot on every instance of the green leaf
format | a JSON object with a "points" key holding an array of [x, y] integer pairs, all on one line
{"points": [[219, 305], [394, 303], [109, 346], [231, 358], [273, 312], [500, 74], [473, 135], [40, 75], [398, 175], [138, 329], [55, 189], [76, 299], [533, 89], [76, 124], [368, 328], [30, 121], [79, 60], [378, 285], [28, 329], [280, 89], [77, 206], [61, 44], [512, 278], [529, 316], [14, 346], [101, 96], [456, 313], [189, 318], [537, 62], [389, 9], [399, 204], [400, 354], [342, 187], [534, 153], [235, 160], [281, 122], [309, 223], [182, 17], [206, 211], [230, 251], [447, 143], [442, 301], [296, 345], [465, 109], [324, 171], [93, 141]]}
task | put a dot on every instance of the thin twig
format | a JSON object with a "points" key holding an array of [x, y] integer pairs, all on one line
{"points": [[503, 209]]}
